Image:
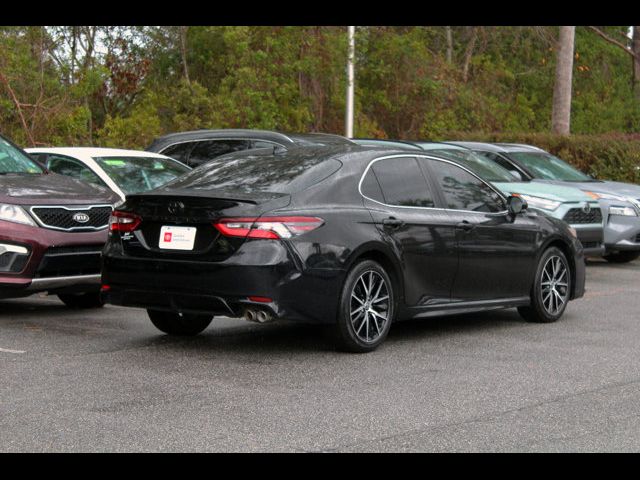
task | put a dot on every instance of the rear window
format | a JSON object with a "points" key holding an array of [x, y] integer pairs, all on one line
{"points": [[257, 173]]}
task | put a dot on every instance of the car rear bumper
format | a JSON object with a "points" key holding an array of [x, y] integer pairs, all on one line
{"points": [[223, 288]]}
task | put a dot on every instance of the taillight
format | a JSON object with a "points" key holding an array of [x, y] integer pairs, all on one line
{"points": [[267, 227], [123, 221]]}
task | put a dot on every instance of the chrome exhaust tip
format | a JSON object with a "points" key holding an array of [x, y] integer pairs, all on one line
{"points": [[263, 316], [249, 315]]}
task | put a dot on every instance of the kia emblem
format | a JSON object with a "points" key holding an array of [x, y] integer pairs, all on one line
{"points": [[80, 217]]}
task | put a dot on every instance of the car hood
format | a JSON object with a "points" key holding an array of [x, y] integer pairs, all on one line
{"points": [[558, 193], [614, 188], [51, 188]]}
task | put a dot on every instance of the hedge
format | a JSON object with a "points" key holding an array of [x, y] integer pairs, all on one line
{"points": [[606, 157]]}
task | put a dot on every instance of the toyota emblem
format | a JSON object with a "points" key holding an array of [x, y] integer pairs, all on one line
{"points": [[587, 208], [80, 217], [175, 207]]}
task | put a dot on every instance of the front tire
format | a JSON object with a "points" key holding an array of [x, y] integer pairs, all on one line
{"points": [[181, 324], [367, 308], [621, 257], [82, 300], [551, 288]]}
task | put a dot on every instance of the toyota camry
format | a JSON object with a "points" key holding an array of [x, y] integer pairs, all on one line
{"points": [[344, 235]]}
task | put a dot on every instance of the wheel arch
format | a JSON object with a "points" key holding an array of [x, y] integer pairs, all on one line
{"points": [[565, 248], [384, 257]]}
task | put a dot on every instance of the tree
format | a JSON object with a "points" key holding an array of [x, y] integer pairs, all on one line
{"points": [[561, 110]]}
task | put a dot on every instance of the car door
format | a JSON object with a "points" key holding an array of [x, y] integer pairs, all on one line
{"points": [[402, 204], [496, 251]]}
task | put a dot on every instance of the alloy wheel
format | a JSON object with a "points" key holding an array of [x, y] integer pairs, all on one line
{"points": [[555, 285], [369, 310]]}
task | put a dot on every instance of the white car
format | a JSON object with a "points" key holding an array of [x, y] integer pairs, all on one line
{"points": [[123, 171]]}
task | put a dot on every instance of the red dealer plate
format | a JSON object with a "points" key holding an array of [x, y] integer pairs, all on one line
{"points": [[177, 238]]}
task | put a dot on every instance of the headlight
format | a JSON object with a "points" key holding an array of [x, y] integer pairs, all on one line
{"points": [[16, 214], [624, 211], [539, 202]]}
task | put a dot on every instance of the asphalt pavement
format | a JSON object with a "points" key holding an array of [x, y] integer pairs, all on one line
{"points": [[107, 380]]}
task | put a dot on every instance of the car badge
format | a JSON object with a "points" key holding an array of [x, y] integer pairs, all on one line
{"points": [[80, 217], [586, 208], [175, 207]]}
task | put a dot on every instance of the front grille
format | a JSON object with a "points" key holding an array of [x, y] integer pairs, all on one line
{"points": [[590, 244], [638, 238], [62, 218], [70, 261], [576, 216]]}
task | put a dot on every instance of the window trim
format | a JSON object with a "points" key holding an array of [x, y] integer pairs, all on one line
{"points": [[366, 170]]}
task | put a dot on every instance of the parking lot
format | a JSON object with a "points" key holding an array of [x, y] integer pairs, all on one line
{"points": [[106, 380]]}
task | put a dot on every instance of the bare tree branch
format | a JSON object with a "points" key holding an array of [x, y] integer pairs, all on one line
{"points": [[614, 42]]}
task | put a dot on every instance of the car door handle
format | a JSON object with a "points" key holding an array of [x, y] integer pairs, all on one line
{"points": [[392, 222], [464, 225]]}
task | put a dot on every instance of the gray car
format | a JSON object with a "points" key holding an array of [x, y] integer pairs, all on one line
{"points": [[620, 202]]}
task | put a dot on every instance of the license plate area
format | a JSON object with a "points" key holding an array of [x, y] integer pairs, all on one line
{"points": [[177, 238]]}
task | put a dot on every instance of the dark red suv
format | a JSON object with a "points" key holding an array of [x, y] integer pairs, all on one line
{"points": [[52, 230]]}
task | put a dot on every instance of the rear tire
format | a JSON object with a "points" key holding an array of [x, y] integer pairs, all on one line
{"points": [[551, 288], [367, 308], [181, 324], [621, 257], [82, 300]]}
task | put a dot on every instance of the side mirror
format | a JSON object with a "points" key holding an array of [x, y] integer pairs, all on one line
{"points": [[516, 205]]}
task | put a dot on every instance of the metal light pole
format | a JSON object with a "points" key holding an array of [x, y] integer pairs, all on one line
{"points": [[350, 83]]}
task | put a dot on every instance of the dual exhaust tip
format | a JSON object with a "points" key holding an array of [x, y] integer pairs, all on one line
{"points": [[257, 315]]}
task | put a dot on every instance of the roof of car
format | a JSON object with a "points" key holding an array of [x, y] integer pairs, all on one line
{"points": [[497, 147], [243, 133], [94, 152], [383, 142]]}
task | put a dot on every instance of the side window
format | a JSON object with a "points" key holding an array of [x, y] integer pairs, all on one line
{"points": [[370, 187], [463, 191], [401, 182], [73, 168], [179, 151], [41, 158], [499, 160], [208, 150]]}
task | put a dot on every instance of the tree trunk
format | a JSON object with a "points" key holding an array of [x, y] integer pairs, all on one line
{"points": [[468, 54], [635, 49], [183, 53], [449, 45], [561, 110]]}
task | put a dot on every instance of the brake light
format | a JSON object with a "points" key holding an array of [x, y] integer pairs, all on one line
{"points": [[123, 221], [267, 227]]}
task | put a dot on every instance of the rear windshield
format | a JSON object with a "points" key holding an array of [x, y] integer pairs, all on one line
{"points": [[254, 173], [548, 167], [13, 161], [139, 174]]}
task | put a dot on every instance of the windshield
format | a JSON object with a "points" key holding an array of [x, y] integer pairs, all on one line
{"points": [[250, 173], [481, 166], [14, 161], [139, 174], [548, 167]]}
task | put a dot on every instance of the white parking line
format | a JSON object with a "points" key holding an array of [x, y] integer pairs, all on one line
{"points": [[6, 350]]}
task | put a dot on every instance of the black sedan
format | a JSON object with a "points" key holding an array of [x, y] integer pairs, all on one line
{"points": [[345, 235]]}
